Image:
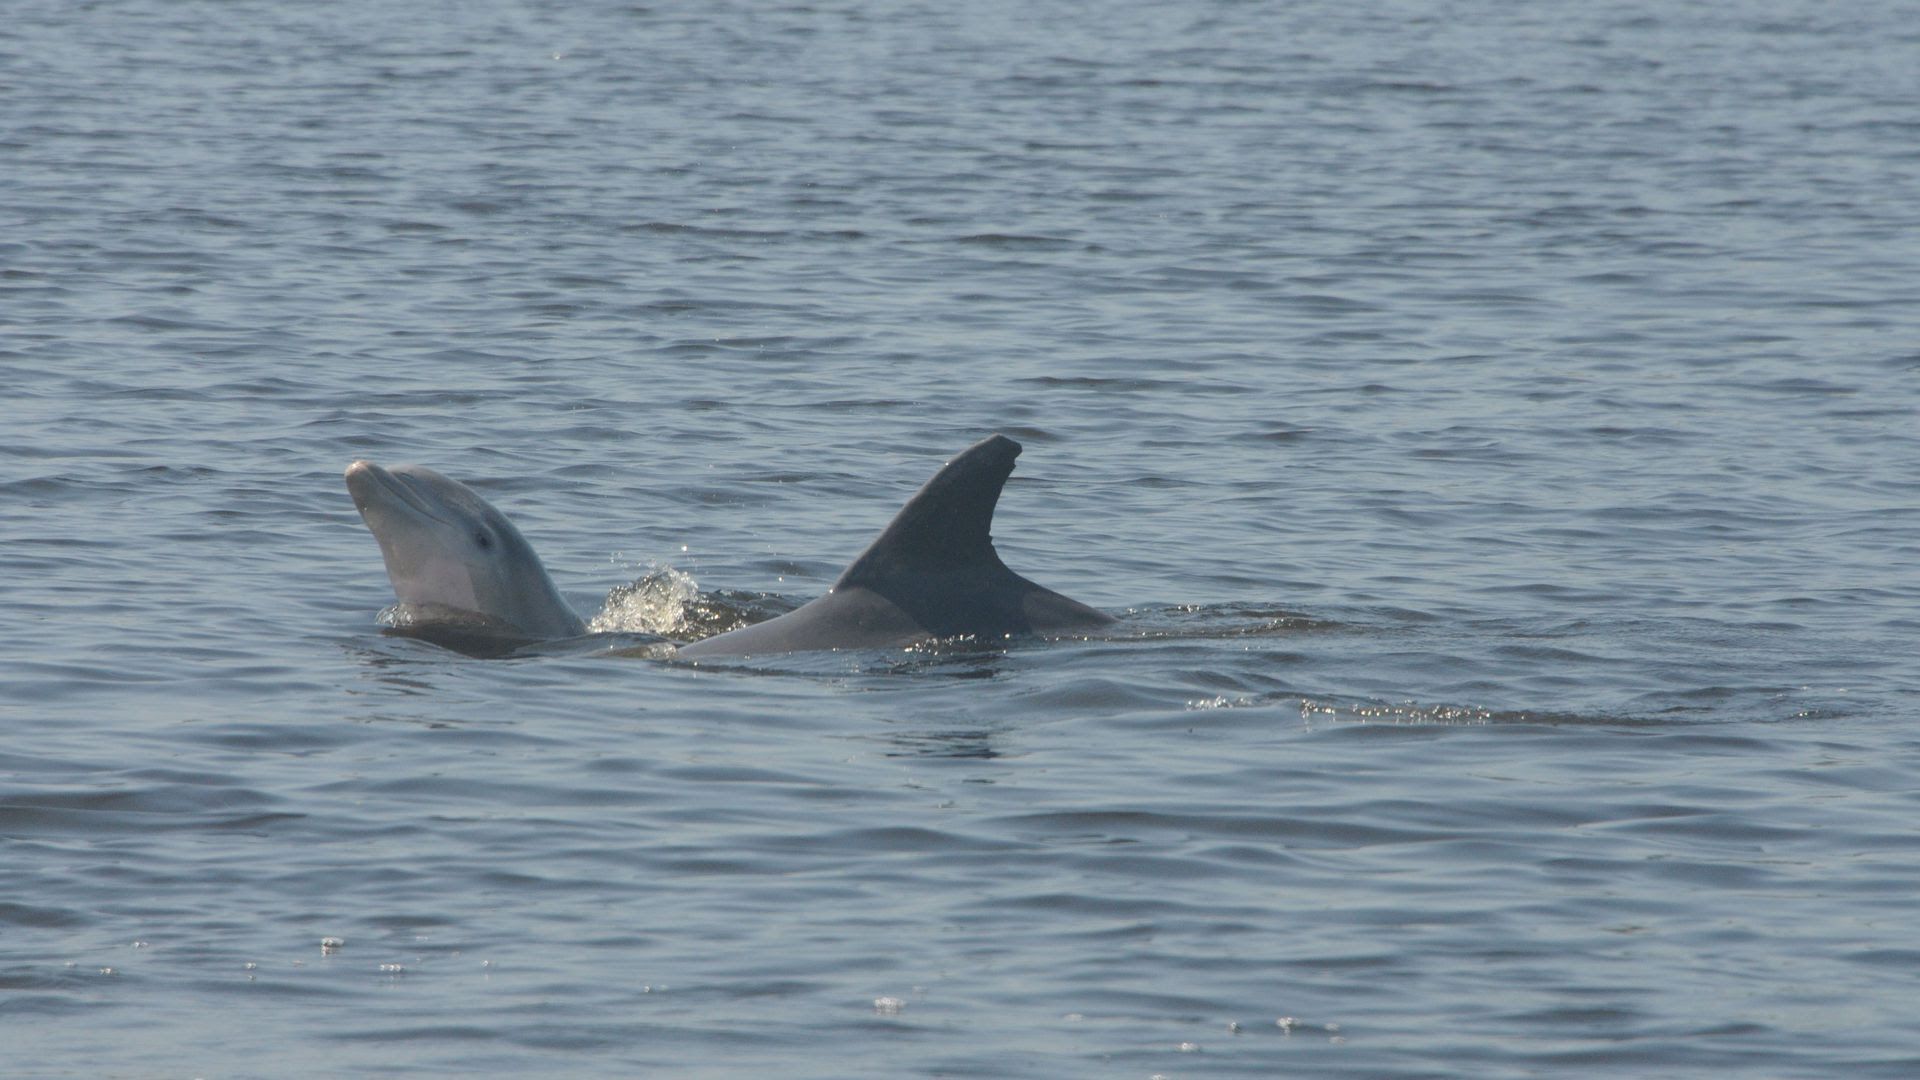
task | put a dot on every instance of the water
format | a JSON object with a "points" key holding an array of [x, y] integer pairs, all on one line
{"points": [[1495, 425]]}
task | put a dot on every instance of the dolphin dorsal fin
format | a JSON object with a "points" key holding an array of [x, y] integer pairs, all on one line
{"points": [[947, 524]]}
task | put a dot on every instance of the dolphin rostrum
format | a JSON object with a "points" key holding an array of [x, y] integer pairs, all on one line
{"points": [[932, 573], [459, 568]]}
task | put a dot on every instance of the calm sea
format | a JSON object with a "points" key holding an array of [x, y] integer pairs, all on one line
{"points": [[1496, 425]]}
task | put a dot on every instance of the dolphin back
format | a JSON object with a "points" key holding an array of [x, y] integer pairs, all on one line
{"points": [[931, 573]]}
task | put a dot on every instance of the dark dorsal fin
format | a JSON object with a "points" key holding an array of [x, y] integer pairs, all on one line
{"points": [[947, 524]]}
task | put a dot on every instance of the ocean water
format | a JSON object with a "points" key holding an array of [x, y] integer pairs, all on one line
{"points": [[1494, 425]]}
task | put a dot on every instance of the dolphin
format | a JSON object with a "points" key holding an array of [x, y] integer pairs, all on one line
{"points": [[932, 573], [460, 569]]}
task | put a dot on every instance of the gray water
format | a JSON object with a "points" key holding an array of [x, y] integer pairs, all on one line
{"points": [[1494, 424]]}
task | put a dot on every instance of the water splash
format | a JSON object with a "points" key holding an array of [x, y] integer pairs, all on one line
{"points": [[657, 603], [668, 603]]}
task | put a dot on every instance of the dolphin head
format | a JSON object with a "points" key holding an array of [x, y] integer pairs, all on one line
{"points": [[450, 553]]}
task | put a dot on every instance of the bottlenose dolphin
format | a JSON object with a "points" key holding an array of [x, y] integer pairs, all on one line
{"points": [[460, 569], [932, 573], [466, 578]]}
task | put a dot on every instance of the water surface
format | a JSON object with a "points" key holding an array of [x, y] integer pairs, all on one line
{"points": [[1495, 426]]}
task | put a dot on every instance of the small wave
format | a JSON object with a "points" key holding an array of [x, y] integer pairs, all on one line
{"points": [[1205, 621], [1415, 714], [1016, 241], [1448, 715]]}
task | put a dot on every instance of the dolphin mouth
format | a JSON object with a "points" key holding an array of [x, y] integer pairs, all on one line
{"points": [[368, 482]]}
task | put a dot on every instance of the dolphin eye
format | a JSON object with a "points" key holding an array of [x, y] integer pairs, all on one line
{"points": [[483, 540]]}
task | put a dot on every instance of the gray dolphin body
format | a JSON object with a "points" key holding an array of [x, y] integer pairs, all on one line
{"points": [[932, 573], [459, 568]]}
